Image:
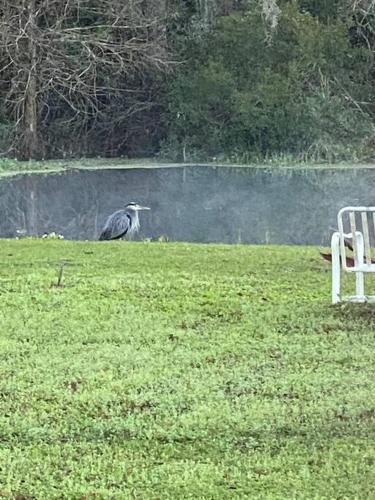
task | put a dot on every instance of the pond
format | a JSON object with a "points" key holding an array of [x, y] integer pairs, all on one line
{"points": [[198, 203]]}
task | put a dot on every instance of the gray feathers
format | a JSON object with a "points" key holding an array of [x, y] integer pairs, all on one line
{"points": [[122, 222], [117, 225]]}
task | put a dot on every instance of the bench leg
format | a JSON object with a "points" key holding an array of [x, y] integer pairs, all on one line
{"points": [[336, 271], [360, 277], [360, 285]]}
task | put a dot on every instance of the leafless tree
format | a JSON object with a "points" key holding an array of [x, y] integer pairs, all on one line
{"points": [[74, 54], [364, 14]]}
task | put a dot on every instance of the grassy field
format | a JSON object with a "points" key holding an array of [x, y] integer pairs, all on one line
{"points": [[179, 371]]}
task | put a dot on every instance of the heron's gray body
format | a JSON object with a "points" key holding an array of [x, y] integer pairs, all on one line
{"points": [[122, 223]]}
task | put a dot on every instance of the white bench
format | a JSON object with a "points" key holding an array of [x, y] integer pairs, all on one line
{"points": [[356, 232]]}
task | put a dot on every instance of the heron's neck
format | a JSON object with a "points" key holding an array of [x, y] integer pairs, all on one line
{"points": [[135, 220]]}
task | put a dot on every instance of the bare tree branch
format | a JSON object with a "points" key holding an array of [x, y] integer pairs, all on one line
{"points": [[74, 54]]}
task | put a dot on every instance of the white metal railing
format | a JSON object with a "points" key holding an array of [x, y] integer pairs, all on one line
{"points": [[356, 233]]}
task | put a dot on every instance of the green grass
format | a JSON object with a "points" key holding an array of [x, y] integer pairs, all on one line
{"points": [[10, 167], [181, 371]]}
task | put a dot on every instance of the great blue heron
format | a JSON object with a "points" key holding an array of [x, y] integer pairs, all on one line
{"points": [[122, 222]]}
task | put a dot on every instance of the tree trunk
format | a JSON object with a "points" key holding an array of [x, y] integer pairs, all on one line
{"points": [[29, 147]]}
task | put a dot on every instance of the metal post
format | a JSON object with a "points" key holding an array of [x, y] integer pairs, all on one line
{"points": [[336, 271], [359, 277]]}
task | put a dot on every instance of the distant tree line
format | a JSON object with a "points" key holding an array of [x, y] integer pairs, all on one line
{"points": [[187, 80]]}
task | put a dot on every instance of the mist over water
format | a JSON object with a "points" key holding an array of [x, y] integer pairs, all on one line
{"points": [[188, 203]]}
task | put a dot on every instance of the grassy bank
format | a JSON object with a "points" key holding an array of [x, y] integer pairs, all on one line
{"points": [[10, 167], [181, 371]]}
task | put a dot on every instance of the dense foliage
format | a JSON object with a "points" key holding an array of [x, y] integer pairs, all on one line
{"points": [[202, 79]]}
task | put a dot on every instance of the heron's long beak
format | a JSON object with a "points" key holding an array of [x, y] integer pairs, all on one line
{"points": [[143, 208]]}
